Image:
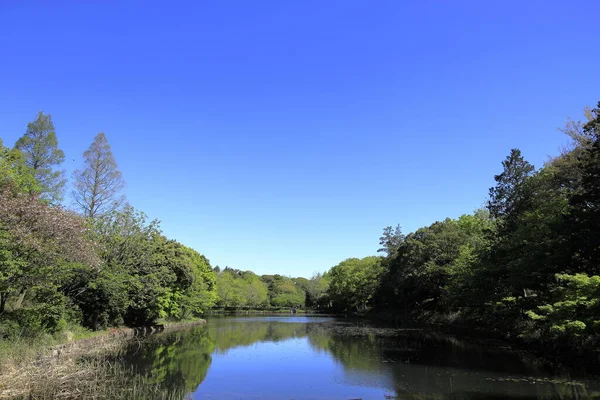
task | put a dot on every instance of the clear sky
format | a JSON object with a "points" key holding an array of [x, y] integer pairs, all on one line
{"points": [[282, 136]]}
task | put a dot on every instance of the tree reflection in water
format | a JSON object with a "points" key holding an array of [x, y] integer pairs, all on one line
{"points": [[412, 363]]}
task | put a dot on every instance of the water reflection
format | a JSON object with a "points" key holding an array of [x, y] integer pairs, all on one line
{"points": [[178, 361], [324, 358]]}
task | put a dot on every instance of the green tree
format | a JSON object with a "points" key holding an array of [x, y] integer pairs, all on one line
{"points": [[354, 282], [510, 199], [584, 219], [255, 291], [98, 185], [509, 194], [572, 312], [132, 244], [194, 289], [230, 287], [284, 292], [14, 174], [467, 283], [391, 240], [36, 240], [40, 149], [422, 269]]}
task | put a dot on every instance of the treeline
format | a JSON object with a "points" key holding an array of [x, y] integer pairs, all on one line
{"points": [[527, 265], [90, 259], [245, 290], [97, 263]]}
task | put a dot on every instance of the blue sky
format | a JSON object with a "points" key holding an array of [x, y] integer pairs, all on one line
{"points": [[282, 136]]}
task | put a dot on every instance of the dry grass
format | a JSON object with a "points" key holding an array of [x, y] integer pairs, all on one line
{"points": [[91, 379], [83, 369], [75, 372]]}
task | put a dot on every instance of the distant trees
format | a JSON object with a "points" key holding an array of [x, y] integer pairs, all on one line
{"points": [[41, 153], [98, 185], [284, 292], [317, 295], [354, 282], [246, 290]]}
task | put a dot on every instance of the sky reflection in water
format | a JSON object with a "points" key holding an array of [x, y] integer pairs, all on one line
{"points": [[325, 358]]}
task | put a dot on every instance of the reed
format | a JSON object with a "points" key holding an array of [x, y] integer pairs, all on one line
{"points": [[34, 371]]}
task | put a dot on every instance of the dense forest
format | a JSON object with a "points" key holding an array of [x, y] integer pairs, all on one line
{"points": [[527, 265], [95, 264]]}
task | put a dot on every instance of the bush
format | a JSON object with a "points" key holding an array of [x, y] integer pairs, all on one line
{"points": [[9, 330]]}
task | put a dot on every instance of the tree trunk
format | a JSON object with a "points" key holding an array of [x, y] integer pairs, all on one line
{"points": [[3, 297], [19, 302], [95, 322]]}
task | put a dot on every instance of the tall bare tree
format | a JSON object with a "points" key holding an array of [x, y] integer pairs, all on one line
{"points": [[98, 186], [40, 150]]}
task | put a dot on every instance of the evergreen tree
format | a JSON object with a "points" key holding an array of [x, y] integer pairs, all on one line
{"points": [[40, 149], [390, 240], [509, 193]]}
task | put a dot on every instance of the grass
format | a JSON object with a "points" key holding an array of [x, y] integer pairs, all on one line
{"points": [[63, 366], [25, 349], [93, 372], [99, 377]]}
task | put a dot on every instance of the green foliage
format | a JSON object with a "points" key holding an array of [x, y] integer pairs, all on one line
{"points": [[40, 150], [246, 290], [14, 173], [36, 242], [59, 270], [421, 271], [181, 359], [319, 291], [391, 240], [230, 288], [148, 276], [573, 311], [284, 292], [583, 222], [354, 282], [509, 194], [255, 291], [528, 265]]}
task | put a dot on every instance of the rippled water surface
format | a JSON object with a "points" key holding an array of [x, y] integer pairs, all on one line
{"points": [[327, 358]]}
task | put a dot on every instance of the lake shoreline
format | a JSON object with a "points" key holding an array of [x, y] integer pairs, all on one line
{"points": [[556, 353], [122, 333], [59, 362]]}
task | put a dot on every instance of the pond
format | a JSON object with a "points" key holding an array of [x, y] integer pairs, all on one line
{"points": [[270, 357]]}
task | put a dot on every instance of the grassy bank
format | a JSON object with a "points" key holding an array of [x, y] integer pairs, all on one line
{"points": [[97, 375], [76, 366]]}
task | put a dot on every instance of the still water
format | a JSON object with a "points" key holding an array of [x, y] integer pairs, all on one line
{"points": [[327, 358]]}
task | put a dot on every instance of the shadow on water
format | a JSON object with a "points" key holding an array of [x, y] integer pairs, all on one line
{"points": [[329, 356]]}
